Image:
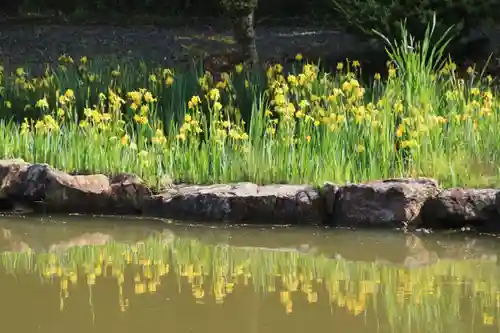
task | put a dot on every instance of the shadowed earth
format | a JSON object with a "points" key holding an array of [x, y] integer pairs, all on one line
{"points": [[33, 43]]}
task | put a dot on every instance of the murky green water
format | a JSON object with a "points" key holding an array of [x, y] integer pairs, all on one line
{"points": [[80, 275]]}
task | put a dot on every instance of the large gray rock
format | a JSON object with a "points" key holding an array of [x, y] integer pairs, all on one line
{"points": [[50, 190], [457, 207], [57, 190], [388, 203], [385, 203], [9, 173], [329, 193], [241, 202], [129, 192]]}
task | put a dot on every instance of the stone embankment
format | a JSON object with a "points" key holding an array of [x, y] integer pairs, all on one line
{"points": [[392, 203]]}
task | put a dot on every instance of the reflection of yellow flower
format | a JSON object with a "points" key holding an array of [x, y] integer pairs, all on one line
{"points": [[151, 286], [285, 296], [488, 319], [91, 279], [312, 297], [198, 293], [73, 278], [140, 288], [64, 284], [359, 307]]}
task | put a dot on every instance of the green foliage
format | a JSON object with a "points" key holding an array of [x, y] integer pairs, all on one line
{"points": [[385, 16], [238, 7], [305, 126]]}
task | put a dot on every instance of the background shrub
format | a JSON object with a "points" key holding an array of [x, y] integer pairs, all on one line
{"points": [[356, 15], [361, 16]]}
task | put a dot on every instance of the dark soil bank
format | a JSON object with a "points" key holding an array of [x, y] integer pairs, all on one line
{"points": [[34, 45]]}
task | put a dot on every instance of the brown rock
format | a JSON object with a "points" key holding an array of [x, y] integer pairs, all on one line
{"points": [[386, 203], [9, 172], [56, 191], [457, 207], [51, 190], [330, 192], [129, 192], [241, 202]]}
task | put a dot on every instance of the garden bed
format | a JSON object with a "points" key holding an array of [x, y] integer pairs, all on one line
{"points": [[413, 121]]}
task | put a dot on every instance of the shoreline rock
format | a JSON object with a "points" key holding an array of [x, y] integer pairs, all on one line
{"points": [[393, 203]]}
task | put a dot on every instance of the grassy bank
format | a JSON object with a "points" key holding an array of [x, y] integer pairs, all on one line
{"points": [[409, 299], [298, 125]]}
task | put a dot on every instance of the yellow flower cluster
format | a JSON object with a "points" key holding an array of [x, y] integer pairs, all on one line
{"points": [[221, 120], [305, 109]]}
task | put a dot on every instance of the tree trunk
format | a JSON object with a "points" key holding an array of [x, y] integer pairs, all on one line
{"points": [[244, 33]]}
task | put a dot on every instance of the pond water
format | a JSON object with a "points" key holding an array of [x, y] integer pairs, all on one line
{"points": [[77, 274]]}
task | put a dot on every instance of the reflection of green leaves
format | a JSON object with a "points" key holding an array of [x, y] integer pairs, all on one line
{"points": [[423, 299]]}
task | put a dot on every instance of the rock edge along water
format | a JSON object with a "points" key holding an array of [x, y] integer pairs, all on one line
{"points": [[391, 203]]}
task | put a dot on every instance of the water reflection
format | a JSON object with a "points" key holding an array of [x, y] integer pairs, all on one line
{"points": [[373, 282]]}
